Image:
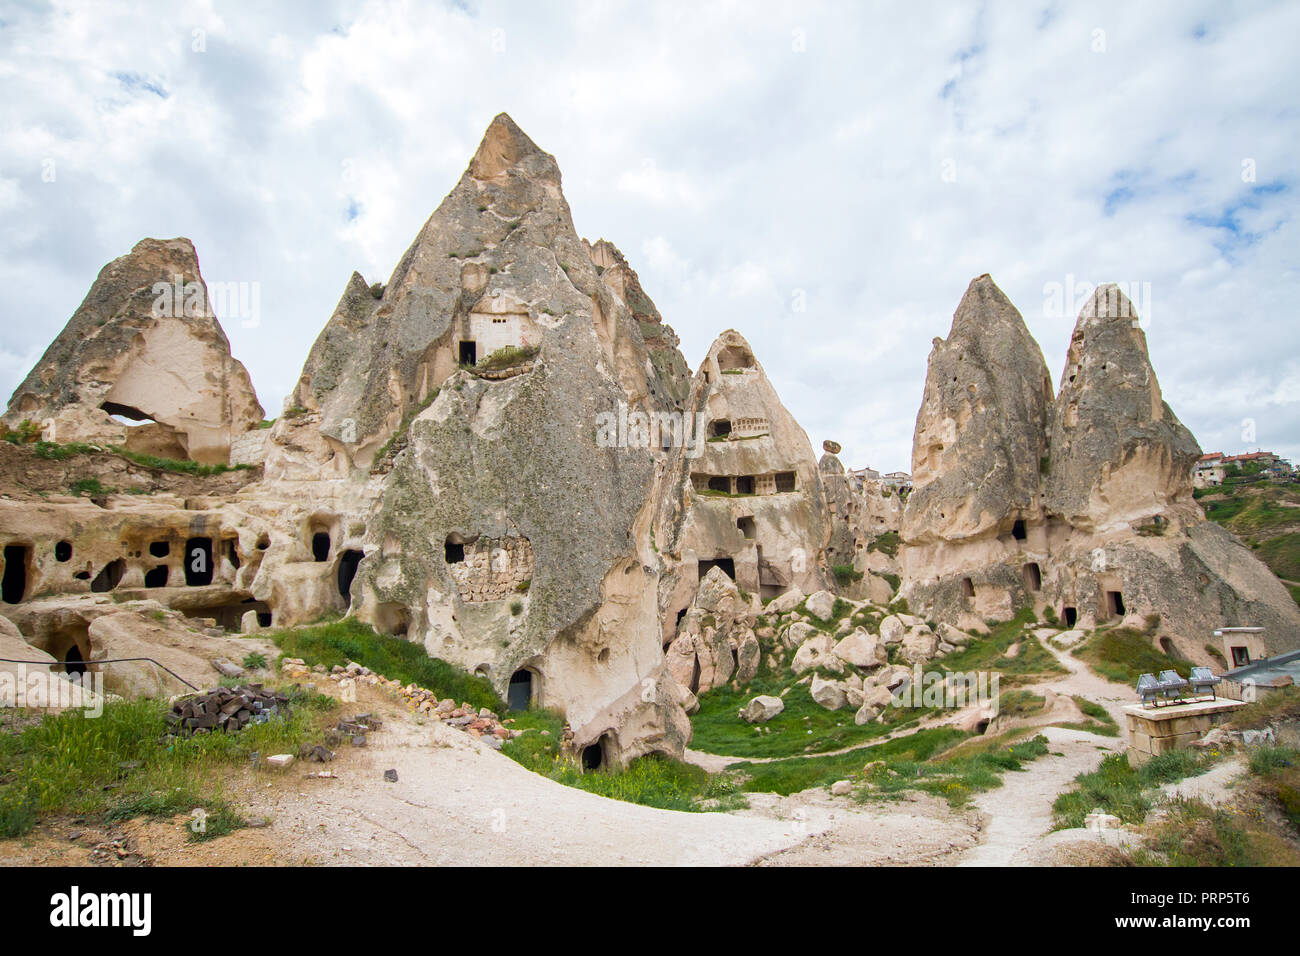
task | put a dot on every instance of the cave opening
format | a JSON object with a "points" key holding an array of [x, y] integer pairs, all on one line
{"points": [[13, 586], [198, 561], [320, 546], [348, 571]]}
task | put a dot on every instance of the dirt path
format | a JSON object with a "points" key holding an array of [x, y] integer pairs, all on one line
{"points": [[1018, 814], [457, 802]]}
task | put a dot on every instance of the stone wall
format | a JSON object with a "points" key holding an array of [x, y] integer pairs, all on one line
{"points": [[494, 569]]}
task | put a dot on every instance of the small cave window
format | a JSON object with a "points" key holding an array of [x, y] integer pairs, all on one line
{"points": [[14, 584], [720, 483], [1115, 604], [745, 485], [198, 562], [453, 552], [967, 588], [519, 695], [320, 546], [720, 428], [232, 553], [785, 481], [156, 577], [1018, 530], [468, 353], [1070, 615], [263, 542], [747, 527], [63, 551], [1033, 576], [160, 549], [263, 618], [109, 577], [348, 571], [727, 565]]}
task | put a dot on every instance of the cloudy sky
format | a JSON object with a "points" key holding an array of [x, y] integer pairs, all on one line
{"points": [[825, 178]]}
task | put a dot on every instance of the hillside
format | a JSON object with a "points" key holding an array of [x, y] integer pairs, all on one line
{"points": [[1265, 515]]}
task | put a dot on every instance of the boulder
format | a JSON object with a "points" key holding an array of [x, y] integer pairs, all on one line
{"points": [[892, 630], [762, 709], [919, 645], [785, 603], [828, 693], [861, 649], [816, 652], [798, 633], [821, 604]]}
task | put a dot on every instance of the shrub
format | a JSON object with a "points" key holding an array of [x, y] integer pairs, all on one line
{"points": [[845, 574]]}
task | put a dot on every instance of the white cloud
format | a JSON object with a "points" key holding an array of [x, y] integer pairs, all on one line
{"points": [[750, 158]]}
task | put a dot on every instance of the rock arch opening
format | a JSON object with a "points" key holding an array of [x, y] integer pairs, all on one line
{"points": [[156, 577], [1018, 530], [63, 551], [1070, 615], [967, 588], [747, 527], [1033, 576]]}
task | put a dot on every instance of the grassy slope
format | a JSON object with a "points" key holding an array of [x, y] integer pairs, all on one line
{"points": [[1266, 516]]}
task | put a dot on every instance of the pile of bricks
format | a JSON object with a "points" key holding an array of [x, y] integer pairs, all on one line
{"points": [[226, 708]]}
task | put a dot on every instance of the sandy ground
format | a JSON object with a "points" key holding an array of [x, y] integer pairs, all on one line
{"points": [[456, 801]]}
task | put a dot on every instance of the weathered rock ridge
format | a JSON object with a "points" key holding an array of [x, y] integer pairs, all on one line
{"points": [[143, 345]]}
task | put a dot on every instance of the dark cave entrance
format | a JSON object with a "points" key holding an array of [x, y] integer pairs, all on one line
{"points": [[198, 561], [14, 584]]}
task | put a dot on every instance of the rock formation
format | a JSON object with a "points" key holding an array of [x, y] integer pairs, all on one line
{"points": [[1082, 504], [143, 345], [742, 491], [497, 266]]}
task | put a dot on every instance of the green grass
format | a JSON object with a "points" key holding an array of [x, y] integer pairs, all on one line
{"points": [[1282, 555], [70, 763], [51, 451], [1117, 788], [957, 775], [800, 773], [88, 486], [803, 727], [887, 543], [989, 653], [1278, 705], [1020, 703], [348, 639], [1123, 654], [846, 574], [1102, 722], [507, 357], [650, 781]]}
